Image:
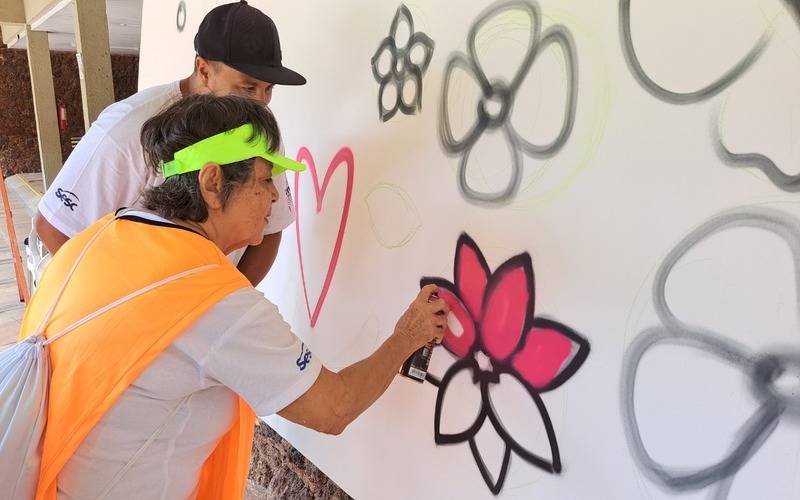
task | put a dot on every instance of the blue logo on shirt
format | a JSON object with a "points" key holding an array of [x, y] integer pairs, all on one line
{"points": [[305, 357], [66, 197], [289, 198]]}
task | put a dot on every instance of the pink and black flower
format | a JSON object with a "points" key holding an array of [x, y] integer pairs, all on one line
{"points": [[492, 317]]}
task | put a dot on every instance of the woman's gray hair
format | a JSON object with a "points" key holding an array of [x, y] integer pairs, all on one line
{"points": [[187, 122]]}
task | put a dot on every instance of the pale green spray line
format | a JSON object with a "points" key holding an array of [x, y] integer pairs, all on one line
{"points": [[422, 21], [641, 299], [490, 33], [502, 28], [504, 31], [410, 208], [639, 303], [601, 106], [793, 130], [639, 296], [765, 202], [772, 22]]}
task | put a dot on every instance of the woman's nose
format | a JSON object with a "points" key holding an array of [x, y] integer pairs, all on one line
{"points": [[274, 192]]}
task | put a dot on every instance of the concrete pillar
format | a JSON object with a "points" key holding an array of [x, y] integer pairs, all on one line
{"points": [[94, 57], [44, 104]]}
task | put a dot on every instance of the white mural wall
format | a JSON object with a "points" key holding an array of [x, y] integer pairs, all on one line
{"points": [[608, 193]]}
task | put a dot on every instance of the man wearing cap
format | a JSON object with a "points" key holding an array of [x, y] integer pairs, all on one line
{"points": [[238, 52]]}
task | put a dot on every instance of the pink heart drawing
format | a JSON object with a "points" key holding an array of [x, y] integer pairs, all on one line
{"points": [[342, 157]]}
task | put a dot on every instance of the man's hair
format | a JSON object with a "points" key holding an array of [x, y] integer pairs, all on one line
{"points": [[186, 122]]}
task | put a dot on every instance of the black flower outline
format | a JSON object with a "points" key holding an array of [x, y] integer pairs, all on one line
{"points": [[506, 94], [402, 68]]}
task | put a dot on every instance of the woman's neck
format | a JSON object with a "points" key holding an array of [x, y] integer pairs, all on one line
{"points": [[209, 229], [204, 229]]}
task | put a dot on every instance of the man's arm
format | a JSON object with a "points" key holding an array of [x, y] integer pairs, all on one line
{"points": [[51, 237], [336, 399], [257, 260]]}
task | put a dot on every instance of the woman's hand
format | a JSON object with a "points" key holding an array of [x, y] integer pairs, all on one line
{"points": [[336, 399], [425, 318]]}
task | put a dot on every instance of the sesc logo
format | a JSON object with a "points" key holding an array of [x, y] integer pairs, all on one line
{"points": [[289, 198], [68, 198], [305, 357]]}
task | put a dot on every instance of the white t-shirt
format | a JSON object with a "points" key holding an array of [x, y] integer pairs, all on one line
{"points": [[241, 346], [107, 171]]}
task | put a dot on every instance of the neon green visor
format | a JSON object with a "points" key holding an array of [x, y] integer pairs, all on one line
{"points": [[228, 147]]}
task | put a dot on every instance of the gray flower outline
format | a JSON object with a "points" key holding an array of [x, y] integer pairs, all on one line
{"points": [[498, 89], [762, 368], [779, 178]]}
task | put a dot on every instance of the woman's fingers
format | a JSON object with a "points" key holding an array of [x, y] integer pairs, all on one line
{"points": [[438, 334], [440, 307], [428, 293]]}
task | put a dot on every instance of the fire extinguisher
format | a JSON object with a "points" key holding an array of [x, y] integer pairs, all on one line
{"points": [[62, 116]]}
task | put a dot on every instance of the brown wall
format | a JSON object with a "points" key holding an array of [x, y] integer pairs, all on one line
{"points": [[19, 151], [278, 471]]}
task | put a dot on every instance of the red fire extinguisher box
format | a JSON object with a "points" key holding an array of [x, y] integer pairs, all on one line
{"points": [[62, 116]]}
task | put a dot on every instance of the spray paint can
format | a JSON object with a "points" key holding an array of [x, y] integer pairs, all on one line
{"points": [[416, 366]]}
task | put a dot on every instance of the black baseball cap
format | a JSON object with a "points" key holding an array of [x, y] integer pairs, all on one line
{"points": [[246, 39]]}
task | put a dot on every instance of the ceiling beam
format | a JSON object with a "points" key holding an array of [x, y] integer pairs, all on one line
{"points": [[12, 12], [34, 9], [34, 14], [50, 8], [12, 32]]}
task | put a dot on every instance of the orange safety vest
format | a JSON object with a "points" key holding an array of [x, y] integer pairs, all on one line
{"points": [[94, 364]]}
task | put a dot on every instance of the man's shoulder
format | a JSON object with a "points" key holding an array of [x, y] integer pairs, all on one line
{"points": [[114, 138], [123, 120]]}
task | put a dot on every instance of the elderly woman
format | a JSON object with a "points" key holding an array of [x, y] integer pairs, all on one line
{"points": [[167, 352]]}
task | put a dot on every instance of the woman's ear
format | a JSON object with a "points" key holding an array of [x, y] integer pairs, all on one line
{"points": [[211, 180]]}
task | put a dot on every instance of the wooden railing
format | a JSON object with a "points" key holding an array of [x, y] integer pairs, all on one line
{"points": [[19, 266]]}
